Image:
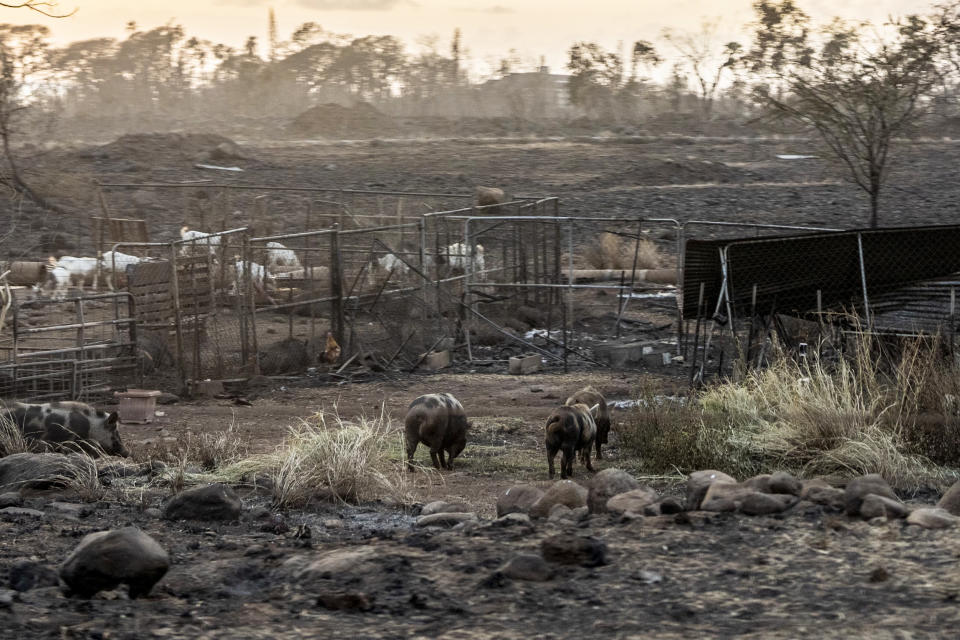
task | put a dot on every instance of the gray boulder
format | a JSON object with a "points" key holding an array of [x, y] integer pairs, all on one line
{"points": [[567, 548], [951, 499], [783, 482], [527, 566], [565, 492], [874, 506], [634, 501], [107, 559], [36, 471], [858, 488], [212, 502], [699, 481], [518, 499], [440, 506], [605, 485], [933, 518], [763, 504], [445, 519]]}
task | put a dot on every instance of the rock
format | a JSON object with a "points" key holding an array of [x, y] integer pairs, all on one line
{"points": [[652, 510], [860, 487], [445, 519], [107, 559], [874, 506], [12, 513], [27, 574], [762, 504], [559, 512], [10, 499], [167, 398], [344, 600], [6, 598], [571, 549], [153, 512], [759, 483], [518, 499], [212, 502], [950, 500], [440, 506], [813, 484], [332, 564], [565, 492], [36, 470], [699, 481], [605, 485], [70, 509], [580, 513], [527, 566], [735, 492], [633, 501], [932, 518], [669, 506], [783, 482], [513, 520], [828, 496], [719, 505]]}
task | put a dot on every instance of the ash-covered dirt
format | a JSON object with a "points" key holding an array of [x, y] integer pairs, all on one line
{"points": [[807, 572]]}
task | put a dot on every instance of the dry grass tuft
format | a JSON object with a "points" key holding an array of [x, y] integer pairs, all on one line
{"points": [[12, 439], [610, 251]]}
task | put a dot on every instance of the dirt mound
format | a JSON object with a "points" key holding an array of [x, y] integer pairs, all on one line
{"points": [[151, 147], [336, 121], [659, 171]]}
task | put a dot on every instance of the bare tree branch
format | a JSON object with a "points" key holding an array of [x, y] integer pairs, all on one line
{"points": [[45, 8]]}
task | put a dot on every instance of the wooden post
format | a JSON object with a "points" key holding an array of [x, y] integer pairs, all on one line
{"points": [[252, 297], [337, 320], [197, 369], [696, 335], [177, 319]]}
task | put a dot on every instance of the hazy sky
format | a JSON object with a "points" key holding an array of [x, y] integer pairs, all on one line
{"points": [[490, 27]]}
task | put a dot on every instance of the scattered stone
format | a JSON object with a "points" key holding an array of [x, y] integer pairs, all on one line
{"points": [[632, 501], [605, 485], [879, 574], [559, 512], [153, 512], [70, 509], [10, 499], [565, 492], [572, 549], [107, 559], [719, 505], [344, 601], [12, 513], [812, 484], [827, 496], [212, 502], [763, 504], [332, 523], [518, 499], [580, 513], [858, 488], [27, 574], [699, 481], [734, 492], [168, 398], [445, 519], [513, 520], [783, 482], [932, 518], [6, 598], [759, 483], [874, 506], [527, 566], [950, 500], [652, 510], [440, 506], [650, 577], [670, 506]]}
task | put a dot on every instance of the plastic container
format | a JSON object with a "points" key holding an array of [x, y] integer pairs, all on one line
{"points": [[137, 405]]}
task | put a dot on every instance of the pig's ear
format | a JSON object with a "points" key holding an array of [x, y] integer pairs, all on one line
{"points": [[113, 419], [593, 409]]}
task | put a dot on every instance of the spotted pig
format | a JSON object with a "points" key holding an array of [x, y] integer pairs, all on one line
{"points": [[438, 421], [590, 396], [68, 424], [570, 429]]}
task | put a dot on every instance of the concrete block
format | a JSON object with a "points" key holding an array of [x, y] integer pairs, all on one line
{"points": [[524, 364], [437, 360]]}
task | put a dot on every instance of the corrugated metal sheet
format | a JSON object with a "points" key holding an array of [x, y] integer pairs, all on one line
{"points": [[909, 274]]}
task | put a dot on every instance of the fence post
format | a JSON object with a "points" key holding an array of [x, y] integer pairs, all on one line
{"points": [[336, 286], [252, 297], [863, 282], [177, 319]]}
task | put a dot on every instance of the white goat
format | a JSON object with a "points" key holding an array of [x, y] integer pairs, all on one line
{"points": [[115, 264], [200, 239], [67, 271], [458, 257], [279, 256], [260, 278]]}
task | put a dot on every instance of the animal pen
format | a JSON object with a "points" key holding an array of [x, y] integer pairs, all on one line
{"points": [[393, 276]]}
